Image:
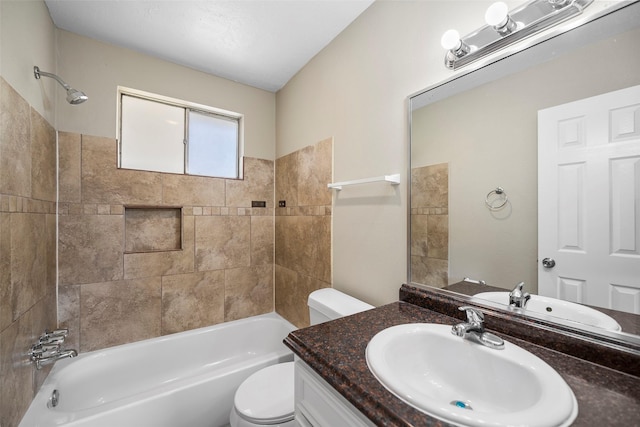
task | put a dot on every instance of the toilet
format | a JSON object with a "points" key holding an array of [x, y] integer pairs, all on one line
{"points": [[266, 398]]}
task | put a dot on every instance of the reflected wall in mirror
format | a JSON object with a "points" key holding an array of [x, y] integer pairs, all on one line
{"points": [[466, 143]]}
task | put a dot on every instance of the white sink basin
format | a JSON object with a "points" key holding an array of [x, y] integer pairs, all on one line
{"points": [[558, 308], [468, 384]]}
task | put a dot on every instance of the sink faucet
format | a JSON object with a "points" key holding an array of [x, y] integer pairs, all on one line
{"points": [[473, 329], [518, 298]]}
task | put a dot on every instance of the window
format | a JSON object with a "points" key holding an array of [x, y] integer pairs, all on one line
{"points": [[167, 135]]}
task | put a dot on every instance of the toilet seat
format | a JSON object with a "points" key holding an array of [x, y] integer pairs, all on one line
{"points": [[267, 396]]}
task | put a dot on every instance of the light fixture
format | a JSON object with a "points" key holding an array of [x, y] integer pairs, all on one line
{"points": [[505, 28], [455, 47], [497, 16]]}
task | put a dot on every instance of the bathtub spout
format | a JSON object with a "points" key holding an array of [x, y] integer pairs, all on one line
{"points": [[43, 361]]}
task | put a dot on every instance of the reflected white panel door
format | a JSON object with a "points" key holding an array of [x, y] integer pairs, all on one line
{"points": [[589, 201]]}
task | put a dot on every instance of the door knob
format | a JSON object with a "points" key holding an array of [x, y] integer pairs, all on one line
{"points": [[548, 263]]}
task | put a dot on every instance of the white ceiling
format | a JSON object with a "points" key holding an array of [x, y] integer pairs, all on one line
{"points": [[261, 43]]}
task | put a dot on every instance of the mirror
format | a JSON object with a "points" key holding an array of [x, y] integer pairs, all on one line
{"points": [[478, 132]]}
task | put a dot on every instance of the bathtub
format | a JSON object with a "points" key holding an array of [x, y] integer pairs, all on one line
{"points": [[185, 379]]}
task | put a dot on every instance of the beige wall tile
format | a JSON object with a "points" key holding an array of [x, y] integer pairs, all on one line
{"points": [[430, 271], [102, 182], [430, 186], [6, 310], [315, 171], [292, 291], [419, 235], [70, 167], [257, 184], [28, 261], [43, 158], [15, 143], [152, 229], [43, 317], [262, 240], [50, 248], [248, 292], [69, 314], [91, 248], [438, 236], [287, 179], [303, 244], [192, 301], [16, 371], [114, 313], [164, 263], [430, 224], [180, 190], [222, 242]]}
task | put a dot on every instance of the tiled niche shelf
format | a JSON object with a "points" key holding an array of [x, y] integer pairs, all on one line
{"points": [[152, 229]]}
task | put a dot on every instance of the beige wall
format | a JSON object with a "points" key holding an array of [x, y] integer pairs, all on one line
{"points": [[356, 91], [497, 145], [98, 68], [27, 35]]}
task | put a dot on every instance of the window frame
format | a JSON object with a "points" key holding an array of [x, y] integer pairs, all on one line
{"points": [[187, 106]]}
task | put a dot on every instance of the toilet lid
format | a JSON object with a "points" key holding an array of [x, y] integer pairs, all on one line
{"points": [[267, 395]]}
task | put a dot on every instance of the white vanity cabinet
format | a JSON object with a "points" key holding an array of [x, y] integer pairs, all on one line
{"points": [[319, 405]]}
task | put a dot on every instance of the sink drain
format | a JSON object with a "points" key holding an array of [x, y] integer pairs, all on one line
{"points": [[461, 404]]}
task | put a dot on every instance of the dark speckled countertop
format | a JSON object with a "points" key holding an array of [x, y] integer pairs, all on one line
{"points": [[336, 351]]}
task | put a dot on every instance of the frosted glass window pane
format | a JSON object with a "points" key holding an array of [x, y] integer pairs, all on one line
{"points": [[152, 136], [213, 145]]}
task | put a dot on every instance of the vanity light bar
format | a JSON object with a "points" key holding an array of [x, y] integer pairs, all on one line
{"points": [[505, 28]]}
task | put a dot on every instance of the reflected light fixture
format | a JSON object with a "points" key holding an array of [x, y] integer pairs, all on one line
{"points": [[504, 28]]}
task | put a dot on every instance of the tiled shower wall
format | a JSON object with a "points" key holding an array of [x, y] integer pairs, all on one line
{"points": [[430, 225], [27, 247], [303, 228], [224, 270]]}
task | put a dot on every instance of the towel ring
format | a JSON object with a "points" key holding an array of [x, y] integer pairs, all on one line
{"points": [[497, 202]]}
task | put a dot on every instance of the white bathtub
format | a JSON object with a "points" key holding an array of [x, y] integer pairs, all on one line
{"points": [[186, 379]]}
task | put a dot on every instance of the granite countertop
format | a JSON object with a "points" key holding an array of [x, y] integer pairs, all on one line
{"points": [[336, 351]]}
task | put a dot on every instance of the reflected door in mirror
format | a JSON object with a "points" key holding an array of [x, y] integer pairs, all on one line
{"points": [[589, 204]]}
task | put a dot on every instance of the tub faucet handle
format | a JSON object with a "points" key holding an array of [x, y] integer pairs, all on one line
{"points": [[52, 339], [56, 332], [38, 351]]}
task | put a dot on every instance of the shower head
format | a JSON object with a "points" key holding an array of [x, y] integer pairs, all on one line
{"points": [[74, 96]]}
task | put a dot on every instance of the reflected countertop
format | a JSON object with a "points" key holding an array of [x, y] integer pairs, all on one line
{"points": [[629, 322], [336, 351]]}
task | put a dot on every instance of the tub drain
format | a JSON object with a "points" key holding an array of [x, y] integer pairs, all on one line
{"points": [[461, 404], [54, 399]]}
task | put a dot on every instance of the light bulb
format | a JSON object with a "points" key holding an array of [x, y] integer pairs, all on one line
{"points": [[497, 14], [451, 40]]}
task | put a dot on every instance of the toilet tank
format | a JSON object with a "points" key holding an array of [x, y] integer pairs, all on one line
{"points": [[328, 304]]}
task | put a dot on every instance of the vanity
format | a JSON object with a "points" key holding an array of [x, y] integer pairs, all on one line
{"points": [[331, 357]]}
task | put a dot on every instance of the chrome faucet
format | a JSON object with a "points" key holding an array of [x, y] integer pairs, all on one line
{"points": [[47, 349], [47, 360], [473, 329], [517, 297]]}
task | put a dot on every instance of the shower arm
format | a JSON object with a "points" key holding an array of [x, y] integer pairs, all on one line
{"points": [[38, 73]]}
